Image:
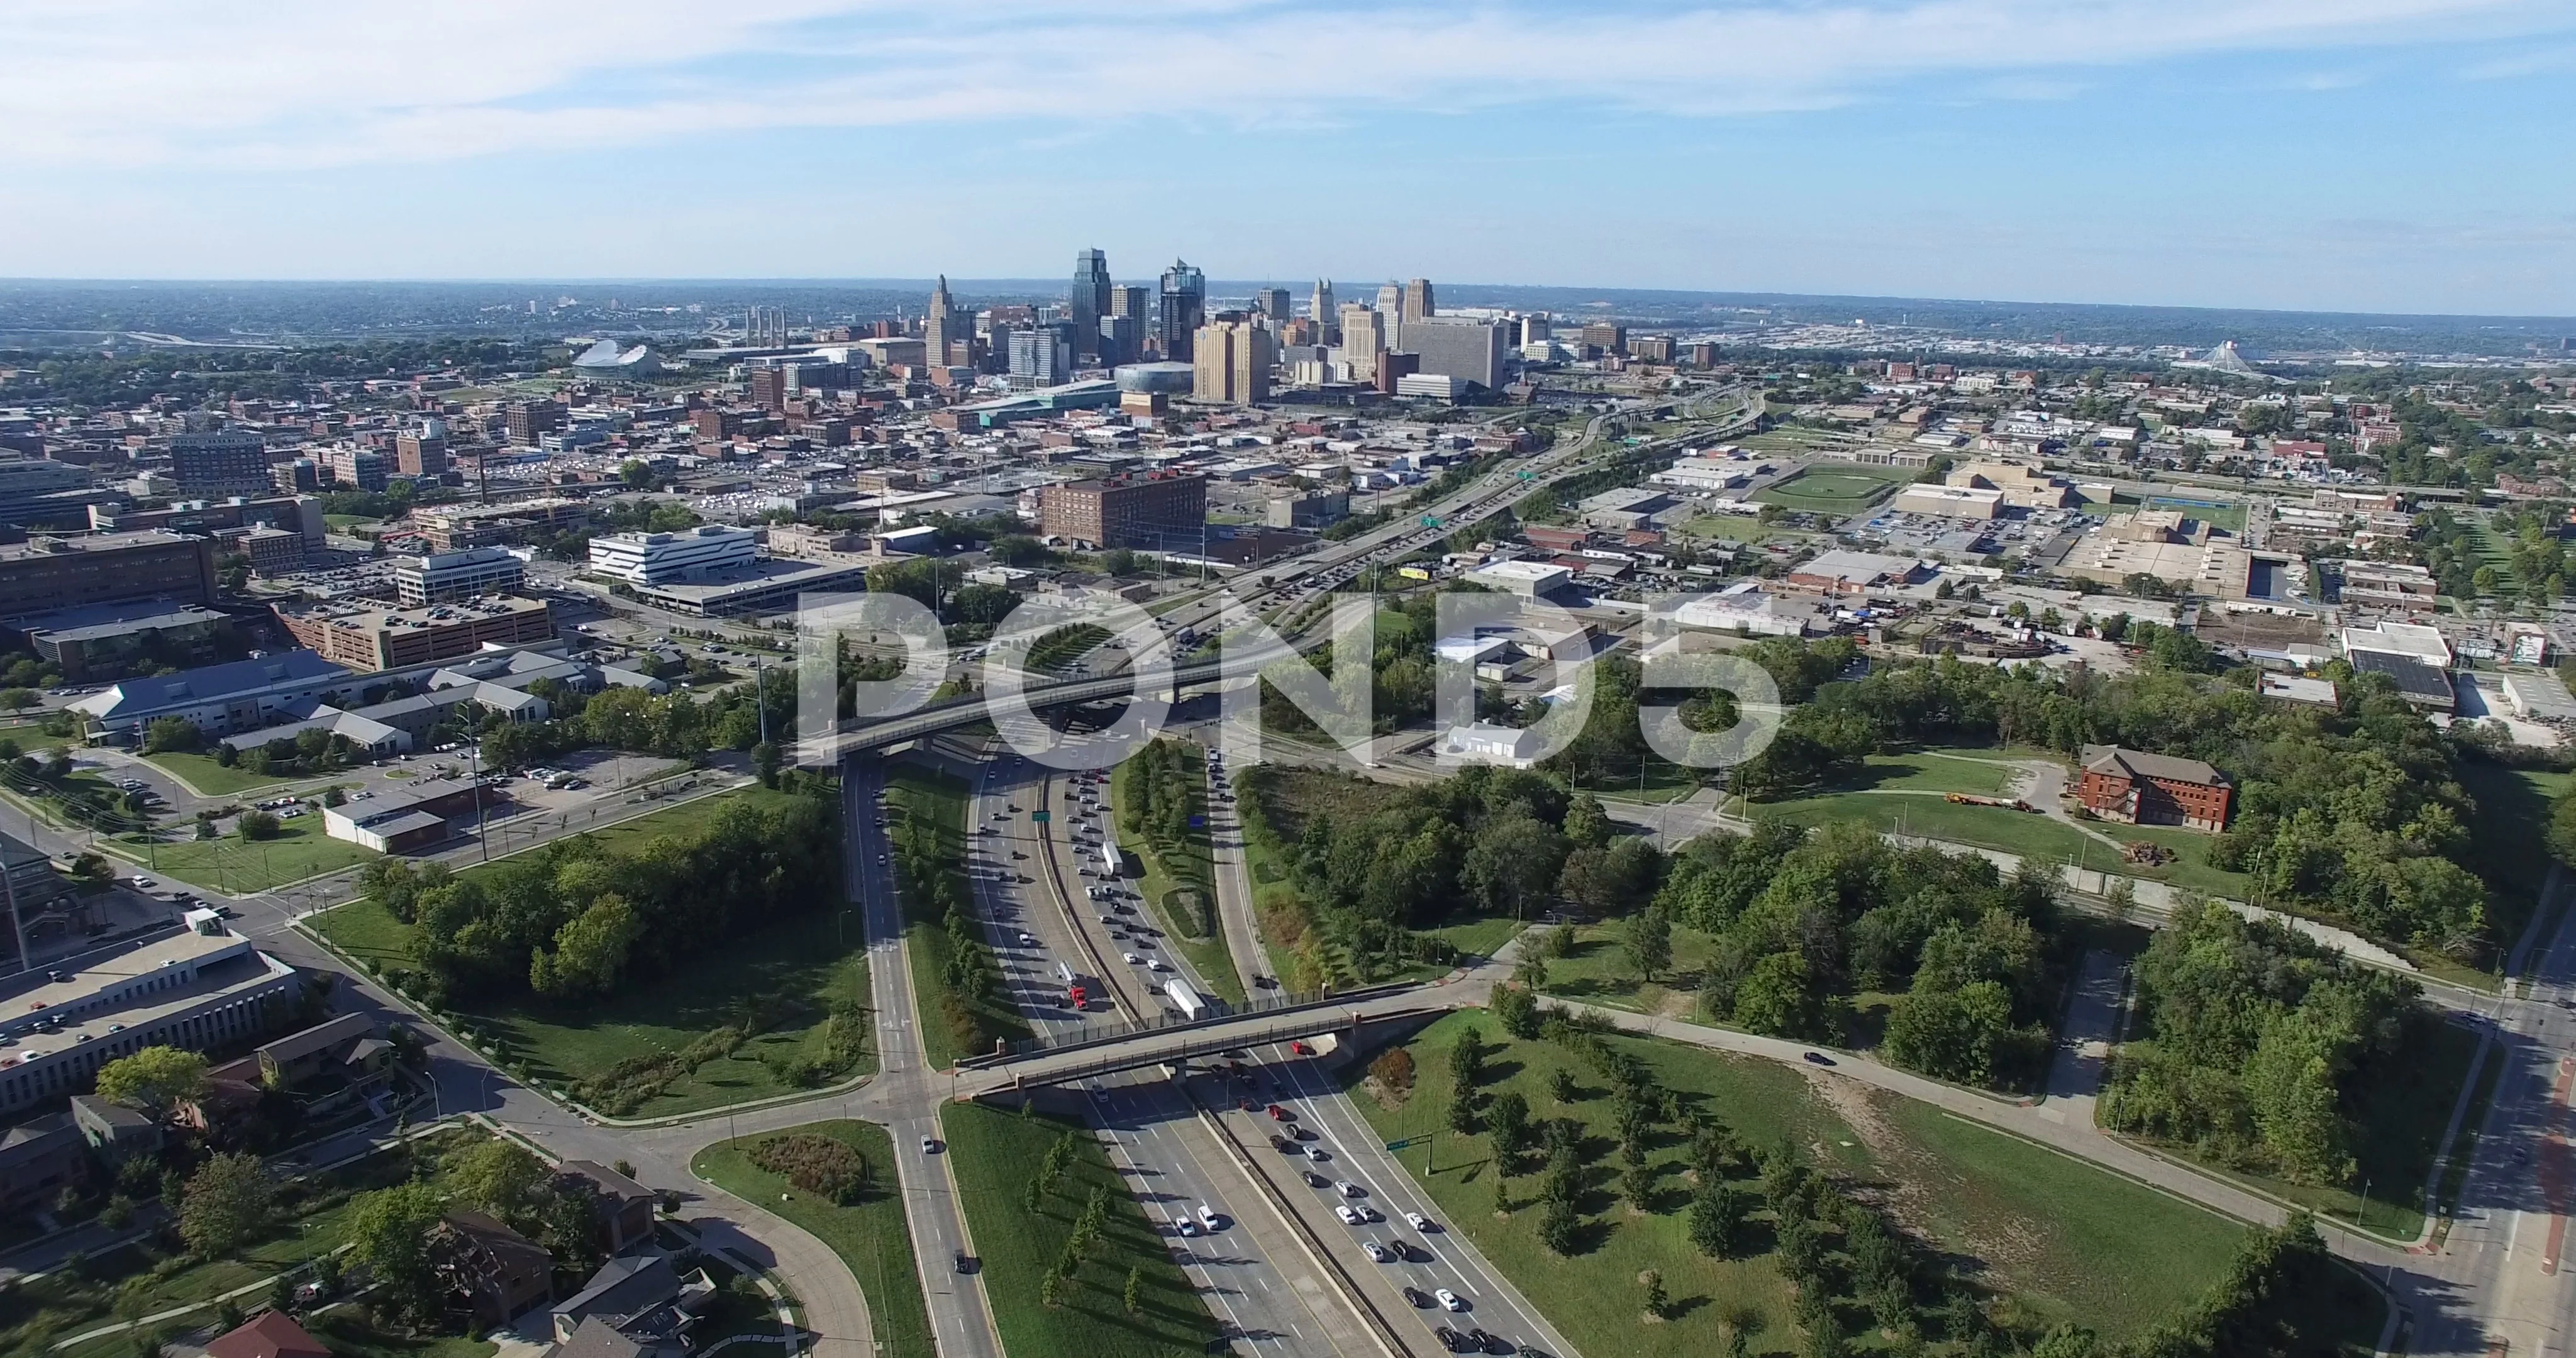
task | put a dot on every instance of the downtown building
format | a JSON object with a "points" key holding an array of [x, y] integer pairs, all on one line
{"points": [[1143, 513], [1232, 363]]}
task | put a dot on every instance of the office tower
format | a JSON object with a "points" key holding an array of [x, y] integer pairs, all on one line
{"points": [[1390, 313], [1090, 299], [217, 465], [945, 327], [529, 421], [1606, 337], [1321, 307], [1128, 299], [1417, 304], [1159, 512], [1534, 328], [1231, 363], [1183, 310], [1363, 339], [422, 449], [1120, 339], [1274, 305], [1042, 356], [1455, 346]]}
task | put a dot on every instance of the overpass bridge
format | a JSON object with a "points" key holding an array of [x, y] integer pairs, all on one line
{"points": [[1168, 1045], [868, 737]]}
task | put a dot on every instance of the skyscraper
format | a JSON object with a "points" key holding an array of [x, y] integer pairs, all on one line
{"points": [[1417, 301], [1232, 362], [1090, 299], [1127, 299], [1390, 312], [1321, 306], [1043, 355], [1457, 346], [944, 327], [1363, 339], [1183, 310], [1274, 305]]}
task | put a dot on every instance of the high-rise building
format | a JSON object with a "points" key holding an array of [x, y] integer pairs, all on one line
{"points": [[1455, 346], [532, 420], [1390, 312], [1182, 311], [211, 466], [1274, 305], [1121, 339], [1152, 513], [422, 449], [1363, 339], [1606, 337], [1042, 356], [1129, 299], [1231, 362], [1090, 298], [1327, 316], [1534, 328], [1418, 303], [945, 327]]}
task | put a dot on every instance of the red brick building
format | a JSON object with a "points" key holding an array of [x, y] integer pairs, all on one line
{"points": [[2153, 789]]}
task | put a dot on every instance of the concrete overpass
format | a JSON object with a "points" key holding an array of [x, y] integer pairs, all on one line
{"points": [[1190, 1042]]}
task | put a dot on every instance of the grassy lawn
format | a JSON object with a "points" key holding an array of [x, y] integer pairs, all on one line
{"points": [[813, 961], [2513, 809], [991, 1152], [237, 867], [145, 1278], [347, 1331], [1991, 827], [2230, 517], [1836, 489], [210, 778], [2067, 1241], [1599, 972], [1479, 937], [869, 1235], [1187, 866], [941, 801], [1933, 771]]}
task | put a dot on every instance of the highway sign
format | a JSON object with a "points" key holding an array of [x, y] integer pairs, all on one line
{"points": [[1430, 521], [1402, 1142], [1529, 476], [1041, 817]]}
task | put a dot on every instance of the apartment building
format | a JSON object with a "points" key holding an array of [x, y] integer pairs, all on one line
{"points": [[1148, 512]]}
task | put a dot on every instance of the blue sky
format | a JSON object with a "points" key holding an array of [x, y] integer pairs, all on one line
{"points": [[2401, 155]]}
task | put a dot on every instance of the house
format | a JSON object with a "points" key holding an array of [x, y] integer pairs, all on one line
{"points": [[273, 1335], [294, 1060], [38, 1159], [643, 1300], [116, 1132], [496, 1273], [625, 1207], [2153, 789]]}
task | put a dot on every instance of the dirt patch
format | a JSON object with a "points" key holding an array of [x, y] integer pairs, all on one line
{"points": [[1907, 1175], [1388, 1099]]}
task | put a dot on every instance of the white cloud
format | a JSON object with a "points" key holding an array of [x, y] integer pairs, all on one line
{"points": [[292, 83]]}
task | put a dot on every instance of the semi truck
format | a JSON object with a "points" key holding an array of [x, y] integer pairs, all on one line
{"points": [[1191, 1005]]}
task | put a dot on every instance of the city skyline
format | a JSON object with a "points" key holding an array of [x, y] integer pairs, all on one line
{"points": [[2383, 157]]}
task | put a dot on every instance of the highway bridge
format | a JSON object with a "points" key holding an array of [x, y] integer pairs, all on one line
{"points": [[1162, 1046]]}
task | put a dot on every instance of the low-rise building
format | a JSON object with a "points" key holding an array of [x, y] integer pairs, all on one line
{"points": [[200, 988], [1848, 573], [45, 574], [2140, 788], [1529, 579], [462, 574], [366, 639], [241, 695], [1951, 501], [644, 559]]}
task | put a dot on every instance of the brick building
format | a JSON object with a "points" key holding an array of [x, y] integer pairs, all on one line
{"points": [[368, 639], [1153, 513], [2153, 789], [48, 573]]}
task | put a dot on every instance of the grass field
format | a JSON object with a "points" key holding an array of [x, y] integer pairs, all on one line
{"points": [[991, 1152], [1933, 771], [2513, 810], [2025, 833], [1836, 488], [1190, 865], [1599, 972], [869, 1235], [210, 778], [236, 867], [2230, 517], [941, 801], [813, 961], [2066, 1241]]}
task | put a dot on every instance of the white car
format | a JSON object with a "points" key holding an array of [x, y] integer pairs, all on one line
{"points": [[1318, 1155], [144, 884], [1375, 1251], [1132, 959], [1419, 1222], [1207, 1216], [1155, 964], [1027, 939], [1449, 1301], [1351, 1190], [1189, 1227], [930, 1145], [1350, 1215]]}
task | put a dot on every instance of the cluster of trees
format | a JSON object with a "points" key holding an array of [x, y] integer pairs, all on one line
{"points": [[2353, 813], [1487, 841], [675, 725], [576, 919], [1803, 919], [932, 883], [1158, 791], [396, 1234], [2260, 1047], [823, 1165]]}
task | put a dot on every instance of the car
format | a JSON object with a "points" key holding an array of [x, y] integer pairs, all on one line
{"points": [[1207, 1216], [1155, 964], [1303, 1133], [1189, 1227], [1419, 1222], [1279, 1114], [1132, 959], [1351, 1190], [1283, 1145], [1488, 1343], [1300, 1048], [1350, 1215], [1417, 1297], [290, 813], [1449, 1301], [1027, 939], [1317, 1154], [1450, 1340], [1375, 1251], [1266, 982], [965, 1262], [930, 1145], [1816, 1059], [144, 884], [1110, 920]]}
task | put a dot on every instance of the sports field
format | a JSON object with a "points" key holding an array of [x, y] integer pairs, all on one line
{"points": [[1840, 488]]}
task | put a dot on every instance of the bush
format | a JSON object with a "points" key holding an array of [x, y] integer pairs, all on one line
{"points": [[817, 1164], [257, 825], [1394, 1069]]}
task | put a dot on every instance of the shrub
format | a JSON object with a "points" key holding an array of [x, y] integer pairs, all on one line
{"points": [[817, 1164], [1394, 1069]]}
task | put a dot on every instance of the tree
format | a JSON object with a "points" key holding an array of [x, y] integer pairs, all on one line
{"points": [[1717, 1218], [1513, 862], [257, 825], [153, 1079], [1132, 1296], [1649, 942], [1657, 1302], [19, 699], [226, 1205], [498, 1176], [177, 734], [389, 1234], [1557, 1227], [1507, 1123], [1561, 1087], [590, 951], [1517, 1010]]}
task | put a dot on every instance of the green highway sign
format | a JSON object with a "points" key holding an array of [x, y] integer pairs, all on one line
{"points": [[1041, 817], [1430, 521], [1403, 1142], [1529, 476]]}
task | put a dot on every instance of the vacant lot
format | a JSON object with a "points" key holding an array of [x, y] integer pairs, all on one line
{"points": [[238, 867], [212, 779], [993, 1153], [869, 1234], [2066, 1241]]}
